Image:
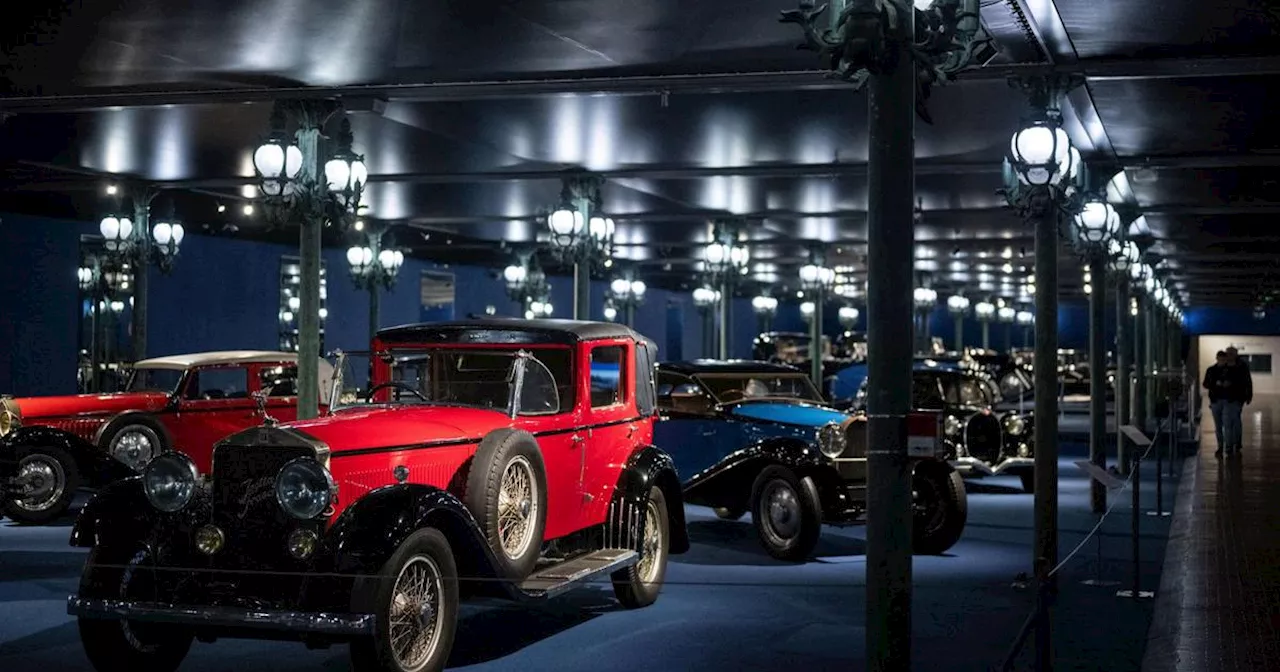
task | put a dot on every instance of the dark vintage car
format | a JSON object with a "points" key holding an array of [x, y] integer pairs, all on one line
{"points": [[987, 425], [488, 458], [51, 446], [756, 437]]}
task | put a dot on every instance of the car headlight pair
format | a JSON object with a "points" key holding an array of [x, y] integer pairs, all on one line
{"points": [[10, 415], [304, 488], [951, 426], [831, 440], [1015, 425]]}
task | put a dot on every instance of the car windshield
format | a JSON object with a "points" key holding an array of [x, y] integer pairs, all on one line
{"points": [[474, 377], [788, 348], [964, 391], [732, 388], [154, 380], [463, 377]]}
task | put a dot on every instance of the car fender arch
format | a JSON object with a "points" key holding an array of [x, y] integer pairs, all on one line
{"points": [[133, 417], [118, 513], [95, 467], [370, 530], [728, 483], [647, 467]]}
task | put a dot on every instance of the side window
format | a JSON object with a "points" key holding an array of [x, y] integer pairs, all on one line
{"points": [[279, 381], [645, 402], [679, 394], [925, 393], [606, 375], [538, 394], [219, 383]]}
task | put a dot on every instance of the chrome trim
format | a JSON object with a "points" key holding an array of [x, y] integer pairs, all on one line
{"points": [[974, 464], [267, 437], [232, 617]]}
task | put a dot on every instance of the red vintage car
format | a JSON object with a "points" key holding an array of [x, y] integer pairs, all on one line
{"points": [[494, 458], [51, 446]]}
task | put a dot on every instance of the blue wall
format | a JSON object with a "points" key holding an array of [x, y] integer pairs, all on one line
{"points": [[223, 295], [1232, 321]]}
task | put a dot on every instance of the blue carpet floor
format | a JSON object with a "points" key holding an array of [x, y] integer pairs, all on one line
{"points": [[727, 606]]}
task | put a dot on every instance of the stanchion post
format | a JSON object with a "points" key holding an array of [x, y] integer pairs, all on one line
{"points": [[1136, 475]]}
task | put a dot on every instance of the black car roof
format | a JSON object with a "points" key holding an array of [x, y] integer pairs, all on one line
{"points": [[725, 366], [508, 330]]}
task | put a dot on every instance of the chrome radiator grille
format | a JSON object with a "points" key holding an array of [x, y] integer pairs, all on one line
{"points": [[983, 437], [244, 500]]}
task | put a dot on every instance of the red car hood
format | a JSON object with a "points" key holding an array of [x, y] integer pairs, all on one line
{"points": [[35, 408], [386, 426]]}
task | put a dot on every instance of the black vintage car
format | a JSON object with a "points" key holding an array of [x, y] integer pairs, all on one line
{"points": [[986, 423], [757, 437]]}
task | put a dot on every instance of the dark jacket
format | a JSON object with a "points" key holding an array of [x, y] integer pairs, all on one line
{"points": [[1229, 382]]}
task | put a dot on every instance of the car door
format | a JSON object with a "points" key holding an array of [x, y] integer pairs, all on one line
{"points": [[213, 404], [612, 423], [688, 427]]}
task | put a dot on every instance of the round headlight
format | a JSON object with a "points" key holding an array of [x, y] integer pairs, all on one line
{"points": [[304, 488], [170, 481], [1015, 425], [10, 416], [831, 439], [951, 426]]}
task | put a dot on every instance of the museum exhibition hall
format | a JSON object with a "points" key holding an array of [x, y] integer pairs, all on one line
{"points": [[566, 335]]}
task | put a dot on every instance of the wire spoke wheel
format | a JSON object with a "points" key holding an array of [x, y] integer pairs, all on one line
{"points": [[44, 482], [652, 549], [413, 621], [517, 507]]}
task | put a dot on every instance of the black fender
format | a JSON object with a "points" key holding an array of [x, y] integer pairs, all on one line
{"points": [[370, 530], [728, 483], [647, 467], [96, 467], [121, 514]]}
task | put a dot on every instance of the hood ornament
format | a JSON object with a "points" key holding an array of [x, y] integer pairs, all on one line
{"points": [[260, 398]]}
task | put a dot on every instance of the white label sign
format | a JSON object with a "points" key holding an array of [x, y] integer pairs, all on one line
{"points": [[920, 446]]}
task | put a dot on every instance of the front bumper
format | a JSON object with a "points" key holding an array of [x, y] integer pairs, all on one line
{"points": [[316, 623], [970, 465]]}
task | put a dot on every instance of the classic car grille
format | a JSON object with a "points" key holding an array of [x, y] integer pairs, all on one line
{"points": [[244, 504], [983, 437]]}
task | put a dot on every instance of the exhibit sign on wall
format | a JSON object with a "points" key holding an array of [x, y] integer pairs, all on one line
{"points": [[1258, 351]]}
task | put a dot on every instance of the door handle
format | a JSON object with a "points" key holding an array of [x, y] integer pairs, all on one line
{"points": [[576, 438], [632, 429]]}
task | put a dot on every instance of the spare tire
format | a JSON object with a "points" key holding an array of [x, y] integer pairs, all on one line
{"points": [[507, 493]]}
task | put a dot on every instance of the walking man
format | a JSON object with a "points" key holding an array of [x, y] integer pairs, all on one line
{"points": [[1242, 387], [1216, 381]]}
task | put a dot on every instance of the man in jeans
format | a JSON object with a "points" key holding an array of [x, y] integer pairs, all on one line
{"points": [[1242, 395], [1226, 395]]}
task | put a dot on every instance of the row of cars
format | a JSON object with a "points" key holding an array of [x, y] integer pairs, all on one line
{"points": [[489, 458]]}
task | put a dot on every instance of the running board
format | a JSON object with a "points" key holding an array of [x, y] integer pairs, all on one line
{"points": [[559, 578]]}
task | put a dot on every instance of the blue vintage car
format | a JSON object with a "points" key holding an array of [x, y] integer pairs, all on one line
{"points": [[756, 437]]}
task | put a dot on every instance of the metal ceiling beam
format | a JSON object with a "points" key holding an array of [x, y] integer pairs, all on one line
{"points": [[643, 85]]}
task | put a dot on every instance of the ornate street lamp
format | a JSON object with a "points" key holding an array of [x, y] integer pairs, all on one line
{"points": [[525, 281], [1027, 320], [985, 311], [848, 316], [373, 268], [925, 300], [816, 279], [538, 309], [765, 308], [725, 259], [958, 306], [312, 179], [610, 311], [1006, 315], [627, 294], [581, 236], [706, 298]]}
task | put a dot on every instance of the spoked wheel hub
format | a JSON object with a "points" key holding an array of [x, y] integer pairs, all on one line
{"points": [[414, 626], [782, 510], [40, 482], [517, 507]]}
